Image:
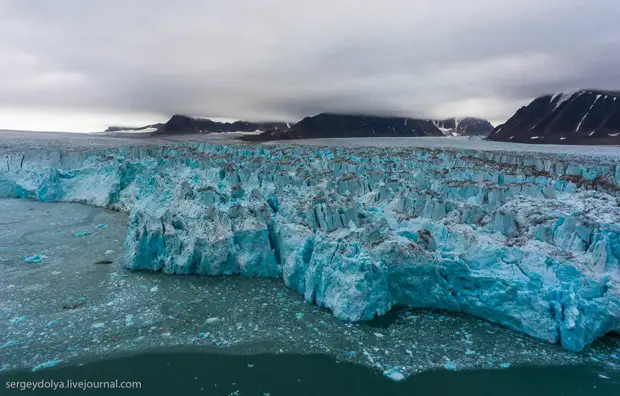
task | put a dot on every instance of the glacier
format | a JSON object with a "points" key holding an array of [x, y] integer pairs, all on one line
{"points": [[527, 240]]}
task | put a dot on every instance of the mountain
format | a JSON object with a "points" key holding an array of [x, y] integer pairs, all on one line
{"points": [[581, 117], [468, 126], [320, 126], [328, 125], [180, 124]]}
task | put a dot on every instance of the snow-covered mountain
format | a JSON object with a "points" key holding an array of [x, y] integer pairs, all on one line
{"points": [[580, 117]]}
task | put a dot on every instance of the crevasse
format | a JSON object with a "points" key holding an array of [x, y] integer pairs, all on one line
{"points": [[530, 242]]}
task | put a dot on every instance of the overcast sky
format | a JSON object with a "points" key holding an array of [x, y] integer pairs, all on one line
{"points": [[79, 65]]}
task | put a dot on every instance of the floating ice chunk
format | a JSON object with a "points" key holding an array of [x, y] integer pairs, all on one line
{"points": [[99, 325], [109, 251], [299, 315], [505, 365], [19, 319], [395, 373], [46, 365], [9, 344], [75, 303], [212, 320], [450, 366], [81, 234], [154, 289], [33, 259], [603, 376], [378, 335]]}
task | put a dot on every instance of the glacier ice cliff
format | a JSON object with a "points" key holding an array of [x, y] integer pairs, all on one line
{"points": [[528, 241]]}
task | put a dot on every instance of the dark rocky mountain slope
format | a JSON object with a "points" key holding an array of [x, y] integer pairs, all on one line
{"points": [[180, 124], [582, 117], [324, 125], [328, 125]]}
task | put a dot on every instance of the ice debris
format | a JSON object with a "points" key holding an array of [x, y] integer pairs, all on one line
{"points": [[9, 344], [81, 234], [395, 374], [46, 365], [75, 303], [33, 259], [450, 366]]}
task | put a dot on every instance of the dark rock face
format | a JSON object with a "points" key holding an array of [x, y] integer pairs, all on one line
{"points": [[465, 127], [180, 124], [338, 125], [583, 117]]}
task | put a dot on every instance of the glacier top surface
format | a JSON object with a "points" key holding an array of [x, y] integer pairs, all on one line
{"points": [[77, 141]]}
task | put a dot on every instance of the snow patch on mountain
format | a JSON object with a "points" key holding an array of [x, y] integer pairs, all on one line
{"points": [[123, 131]]}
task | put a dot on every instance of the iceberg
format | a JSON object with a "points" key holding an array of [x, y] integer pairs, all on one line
{"points": [[529, 241]]}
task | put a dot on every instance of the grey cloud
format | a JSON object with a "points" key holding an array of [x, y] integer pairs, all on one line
{"points": [[279, 59]]}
